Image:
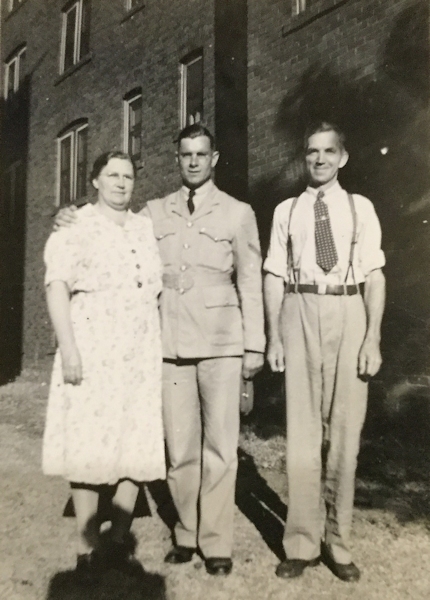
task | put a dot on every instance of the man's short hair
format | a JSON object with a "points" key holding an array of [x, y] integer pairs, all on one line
{"points": [[321, 127], [196, 130]]}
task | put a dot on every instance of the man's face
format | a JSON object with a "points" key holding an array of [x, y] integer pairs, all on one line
{"points": [[196, 160], [324, 157]]}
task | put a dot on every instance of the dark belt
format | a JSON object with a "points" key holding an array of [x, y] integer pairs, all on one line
{"points": [[323, 289]]}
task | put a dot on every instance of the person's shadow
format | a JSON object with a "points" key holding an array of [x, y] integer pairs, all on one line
{"points": [[260, 504]]}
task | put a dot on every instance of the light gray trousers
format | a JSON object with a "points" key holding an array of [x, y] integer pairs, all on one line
{"points": [[326, 407], [201, 420]]}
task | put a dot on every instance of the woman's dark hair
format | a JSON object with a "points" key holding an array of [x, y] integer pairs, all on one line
{"points": [[102, 160]]}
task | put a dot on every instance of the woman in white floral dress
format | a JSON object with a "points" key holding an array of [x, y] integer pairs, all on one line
{"points": [[104, 420]]}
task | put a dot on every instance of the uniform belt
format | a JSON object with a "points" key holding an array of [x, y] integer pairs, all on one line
{"points": [[323, 289], [187, 280]]}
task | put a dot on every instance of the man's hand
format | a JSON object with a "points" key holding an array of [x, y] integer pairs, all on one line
{"points": [[65, 217], [275, 356], [72, 365], [369, 358], [252, 363]]}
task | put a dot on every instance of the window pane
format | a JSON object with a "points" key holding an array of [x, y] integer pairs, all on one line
{"points": [[133, 3], [69, 32], [22, 65], [65, 170], [85, 29], [194, 92], [81, 167], [135, 127], [11, 70]]}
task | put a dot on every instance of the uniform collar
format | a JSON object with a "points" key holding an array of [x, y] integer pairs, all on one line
{"points": [[200, 192]]}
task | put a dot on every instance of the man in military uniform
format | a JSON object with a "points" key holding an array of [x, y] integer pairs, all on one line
{"points": [[213, 332]]}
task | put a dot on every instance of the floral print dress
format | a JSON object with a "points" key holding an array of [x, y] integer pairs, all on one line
{"points": [[110, 426]]}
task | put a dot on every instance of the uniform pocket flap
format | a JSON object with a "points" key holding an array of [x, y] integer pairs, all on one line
{"points": [[220, 296], [217, 234], [163, 228]]}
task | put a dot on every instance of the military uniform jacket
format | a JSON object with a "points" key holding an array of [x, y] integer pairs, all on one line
{"points": [[211, 304]]}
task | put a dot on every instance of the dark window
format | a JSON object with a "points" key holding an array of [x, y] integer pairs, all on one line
{"points": [[15, 71], [72, 159], [75, 36], [192, 89], [133, 126]]}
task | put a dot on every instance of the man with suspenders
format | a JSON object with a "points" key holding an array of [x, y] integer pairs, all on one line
{"points": [[325, 295]]}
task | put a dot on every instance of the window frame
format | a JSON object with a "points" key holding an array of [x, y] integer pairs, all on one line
{"points": [[11, 6], [79, 52], [127, 112], [129, 5], [298, 7], [72, 132], [185, 64], [16, 60]]}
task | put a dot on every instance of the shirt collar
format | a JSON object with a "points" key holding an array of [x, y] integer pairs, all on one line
{"points": [[331, 191], [201, 191]]}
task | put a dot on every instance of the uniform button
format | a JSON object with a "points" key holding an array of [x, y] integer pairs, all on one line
{"points": [[139, 285], [137, 266], [216, 239], [189, 224], [186, 246], [183, 268], [203, 229], [181, 291]]}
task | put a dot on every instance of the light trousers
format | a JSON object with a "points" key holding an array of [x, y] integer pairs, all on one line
{"points": [[326, 407], [201, 419]]}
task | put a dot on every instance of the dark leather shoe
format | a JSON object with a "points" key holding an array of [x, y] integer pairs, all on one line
{"points": [[179, 554], [88, 568], [348, 572], [294, 567], [218, 566]]}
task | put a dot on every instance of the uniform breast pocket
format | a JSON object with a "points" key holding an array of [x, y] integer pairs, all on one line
{"points": [[215, 248], [166, 237]]}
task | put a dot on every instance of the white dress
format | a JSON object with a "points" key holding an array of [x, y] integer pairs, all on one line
{"points": [[110, 426]]}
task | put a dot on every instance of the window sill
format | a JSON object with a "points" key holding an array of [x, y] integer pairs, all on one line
{"points": [[314, 12], [130, 14], [86, 59]]}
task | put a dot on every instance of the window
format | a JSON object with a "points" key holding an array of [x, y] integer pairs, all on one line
{"points": [[298, 7], [133, 125], [13, 4], [72, 163], [75, 34], [15, 71], [13, 191], [191, 108], [130, 4]]}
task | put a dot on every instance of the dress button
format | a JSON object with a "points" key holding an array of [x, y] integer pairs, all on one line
{"points": [[134, 251], [183, 268], [139, 285], [181, 291], [186, 246], [189, 224], [137, 266]]}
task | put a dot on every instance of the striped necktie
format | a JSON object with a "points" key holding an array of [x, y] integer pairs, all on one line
{"points": [[190, 202], [326, 254]]}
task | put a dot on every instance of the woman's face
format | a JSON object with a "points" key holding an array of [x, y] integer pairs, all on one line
{"points": [[115, 183]]}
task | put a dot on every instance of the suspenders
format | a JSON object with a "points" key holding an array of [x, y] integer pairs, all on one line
{"points": [[290, 266]]}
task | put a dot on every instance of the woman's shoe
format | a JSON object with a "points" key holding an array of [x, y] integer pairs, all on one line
{"points": [[88, 568], [120, 558]]}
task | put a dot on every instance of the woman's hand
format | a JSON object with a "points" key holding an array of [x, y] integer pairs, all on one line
{"points": [[65, 217], [72, 365]]}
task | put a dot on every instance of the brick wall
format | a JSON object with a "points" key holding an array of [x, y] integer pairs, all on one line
{"points": [[143, 50], [364, 64]]}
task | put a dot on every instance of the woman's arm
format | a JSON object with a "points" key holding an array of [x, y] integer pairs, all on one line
{"points": [[58, 299]]}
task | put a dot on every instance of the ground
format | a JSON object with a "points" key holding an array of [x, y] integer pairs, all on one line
{"points": [[391, 533]]}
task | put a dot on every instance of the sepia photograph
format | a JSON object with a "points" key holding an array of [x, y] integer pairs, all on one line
{"points": [[214, 299]]}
